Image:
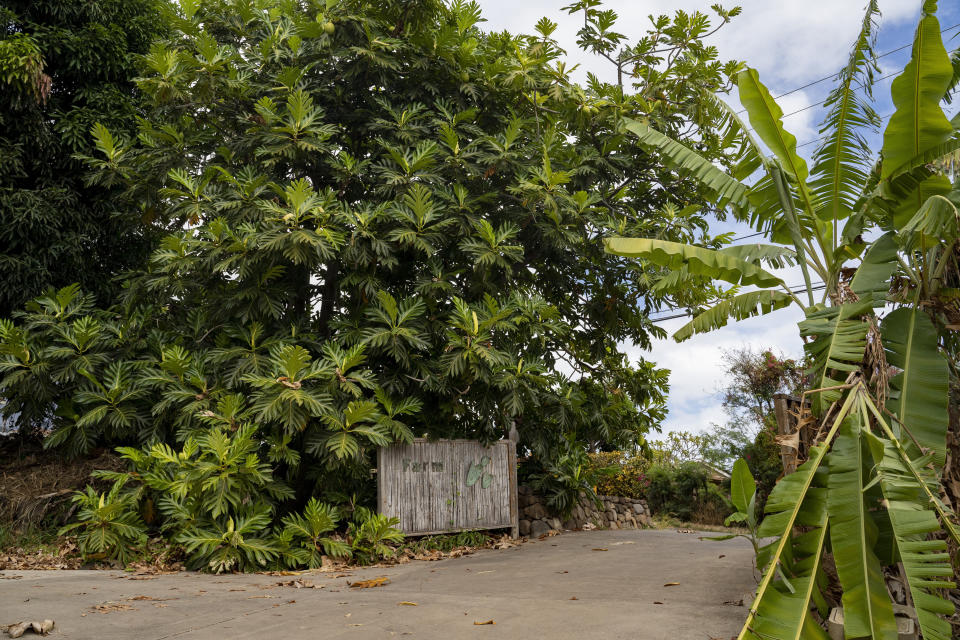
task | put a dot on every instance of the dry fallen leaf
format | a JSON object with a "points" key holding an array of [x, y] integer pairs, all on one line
{"points": [[574, 598], [407, 604], [600, 549], [671, 584], [107, 607], [370, 584], [484, 622], [37, 626]]}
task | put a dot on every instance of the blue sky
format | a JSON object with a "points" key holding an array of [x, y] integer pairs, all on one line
{"points": [[791, 43]]}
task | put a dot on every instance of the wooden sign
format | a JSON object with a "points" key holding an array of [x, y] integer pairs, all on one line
{"points": [[448, 485]]}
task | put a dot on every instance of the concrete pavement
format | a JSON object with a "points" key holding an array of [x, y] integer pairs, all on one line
{"points": [[582, 585]]}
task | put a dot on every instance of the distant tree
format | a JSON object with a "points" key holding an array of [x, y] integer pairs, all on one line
{"points": [[65, 65], [753, 379]]}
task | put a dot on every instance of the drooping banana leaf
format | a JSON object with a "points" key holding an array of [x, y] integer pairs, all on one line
{"points": [[877, 267], [725, 189], [773, 255], [935, 222], [740, 307], [697, 260], [867, 610], [839, 337], [919, 393], [785, 611], [919, 124], [776, 256], [791, 578], [924, 477], [925, 558]]}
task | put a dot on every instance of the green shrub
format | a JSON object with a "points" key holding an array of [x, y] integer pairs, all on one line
{"points": [[305, 536], [684, 492], [108, 525], [370, 534], [219, 500], [763, 458], [220, 545], [215, 496], [566, 482], [628, 477]]}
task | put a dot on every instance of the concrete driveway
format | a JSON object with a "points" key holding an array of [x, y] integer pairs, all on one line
{"points": [[583, 585]]}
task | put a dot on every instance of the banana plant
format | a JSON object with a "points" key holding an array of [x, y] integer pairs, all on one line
{"points": [[869, 492]]}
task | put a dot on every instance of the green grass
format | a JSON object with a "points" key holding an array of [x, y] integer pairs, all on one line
{"points": [[449, 542]]}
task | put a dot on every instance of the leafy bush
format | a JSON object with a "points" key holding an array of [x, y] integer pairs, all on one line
{"points": [[683, 491], [370, 534], [305, 536], [567, 481], [763, 459], [107, 525], [621, 474], [220, 545], [215, 496]]}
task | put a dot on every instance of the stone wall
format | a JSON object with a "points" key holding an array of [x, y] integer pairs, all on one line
{"points": [[615, 512]]}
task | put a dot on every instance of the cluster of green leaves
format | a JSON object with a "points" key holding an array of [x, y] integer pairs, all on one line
{"points": [[107, 524], [378, 221], [449, 542], [218, 501], [566, 480], [64, 66], [621, 474], [819, 218]]}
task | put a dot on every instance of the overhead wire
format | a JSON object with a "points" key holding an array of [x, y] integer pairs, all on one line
{"points": [[808, 143], [835, 74], [795, 289]]}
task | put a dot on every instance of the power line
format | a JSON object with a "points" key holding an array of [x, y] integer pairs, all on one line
{"points": [[835, 74], [808, 143], [795, 289]]}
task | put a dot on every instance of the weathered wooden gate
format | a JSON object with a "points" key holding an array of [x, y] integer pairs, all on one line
{"points": [[448, 485]]}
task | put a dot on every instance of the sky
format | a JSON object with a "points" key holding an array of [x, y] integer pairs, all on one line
{"points": [[791, 43]]}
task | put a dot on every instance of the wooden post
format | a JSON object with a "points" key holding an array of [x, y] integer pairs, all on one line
{"points": [[514, 498], [784, 428]]}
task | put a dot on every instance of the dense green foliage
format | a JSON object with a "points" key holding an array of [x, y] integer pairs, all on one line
{"points": [[879, 389], [685, 492], [378, 222], [621, 474], [66, 65]]}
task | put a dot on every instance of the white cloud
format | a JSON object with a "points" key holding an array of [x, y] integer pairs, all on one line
{"points": [[790, 42], [696, 366]]}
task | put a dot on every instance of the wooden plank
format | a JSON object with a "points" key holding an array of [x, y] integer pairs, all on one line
{"points": [[514, 499], [424, 485]]}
